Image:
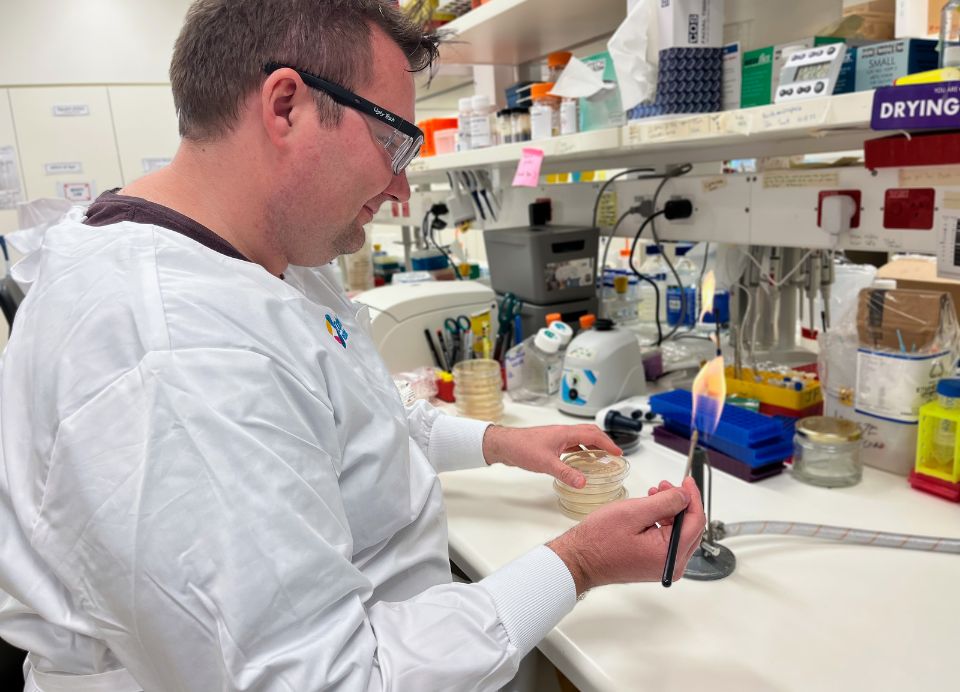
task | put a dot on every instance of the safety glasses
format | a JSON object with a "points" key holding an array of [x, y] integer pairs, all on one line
{"points": [[401, 138]]}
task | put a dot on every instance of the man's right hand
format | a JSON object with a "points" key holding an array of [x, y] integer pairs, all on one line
{"points": [[620, 543]]}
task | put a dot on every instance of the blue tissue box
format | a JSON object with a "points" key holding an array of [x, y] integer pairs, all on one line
{"points": [[689, 80]]}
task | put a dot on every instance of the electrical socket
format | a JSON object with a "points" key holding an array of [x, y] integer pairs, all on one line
{"points": [[689, 220], [645, 203]]}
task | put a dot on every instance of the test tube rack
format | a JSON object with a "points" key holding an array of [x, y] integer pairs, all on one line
{"points": [[751, 438], [795, 394]]}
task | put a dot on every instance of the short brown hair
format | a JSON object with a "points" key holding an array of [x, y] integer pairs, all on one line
{"points": [[219, 56]]}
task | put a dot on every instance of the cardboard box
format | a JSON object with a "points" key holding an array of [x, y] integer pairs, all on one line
{"points": [[900, 319], [920, 274], [877, 18], [732, 76], [918, 18], [604, 109], [881, 64]]}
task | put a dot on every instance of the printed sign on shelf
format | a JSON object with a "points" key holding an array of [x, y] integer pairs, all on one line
{"points": [[916, 107]]}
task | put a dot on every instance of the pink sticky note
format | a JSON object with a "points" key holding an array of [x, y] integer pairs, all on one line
{"points": [[528, 170]]}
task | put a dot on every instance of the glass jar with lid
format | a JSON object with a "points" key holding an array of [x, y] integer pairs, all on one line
{"points": [[826, 452], [544, 112], [556, 62]]}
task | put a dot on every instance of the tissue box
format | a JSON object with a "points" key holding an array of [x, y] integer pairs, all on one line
{"points": [[883, 63], [604, 109], [690, 23], [689, 80]]}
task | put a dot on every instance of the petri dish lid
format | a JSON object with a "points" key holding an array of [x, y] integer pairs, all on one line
{"points": [[599, 467], [828, 430]]}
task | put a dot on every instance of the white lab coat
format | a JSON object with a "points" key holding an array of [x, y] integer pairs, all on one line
{"points": [[199, 483]]}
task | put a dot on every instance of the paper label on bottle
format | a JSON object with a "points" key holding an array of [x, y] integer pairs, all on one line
{"points": [[479, 132], [513, 364], [554, 373], [893, 386]]}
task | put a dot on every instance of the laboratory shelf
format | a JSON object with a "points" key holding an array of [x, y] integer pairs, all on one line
{"points": [[832, 123], [835, 123], [511, 32], [564, 148]]}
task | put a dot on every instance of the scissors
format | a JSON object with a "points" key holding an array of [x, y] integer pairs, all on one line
{"points": [[459, 329], [510, 307]]}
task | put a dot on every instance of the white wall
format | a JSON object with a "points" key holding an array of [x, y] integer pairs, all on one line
{"points": [[88, 41]]}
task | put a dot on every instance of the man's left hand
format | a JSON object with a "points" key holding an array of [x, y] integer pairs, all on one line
{"points": [[539, 449]]}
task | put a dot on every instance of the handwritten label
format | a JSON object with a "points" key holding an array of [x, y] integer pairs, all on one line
{"points": [[736, 122], [634, 134], [793, 179], [70, 110], [794, 115], [714, 184], [528, 170], [62, 168], [948, 176]]}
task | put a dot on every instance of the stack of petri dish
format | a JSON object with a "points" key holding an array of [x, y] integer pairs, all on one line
{"points": [[604, 473], [477, 388]]}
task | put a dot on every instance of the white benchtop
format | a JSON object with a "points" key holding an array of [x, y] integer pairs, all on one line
{"points": [[798, 614]]}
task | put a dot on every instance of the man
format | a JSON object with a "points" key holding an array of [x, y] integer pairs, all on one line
{"points": [[209, 481]]}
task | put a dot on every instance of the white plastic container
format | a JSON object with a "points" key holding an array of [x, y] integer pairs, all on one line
{"points": [[541, 368], [481, 122], [569, 116], [464, 118]]}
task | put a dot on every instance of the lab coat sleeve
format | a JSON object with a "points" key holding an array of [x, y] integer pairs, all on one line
{"points": [[203, 534], [449, 442]]}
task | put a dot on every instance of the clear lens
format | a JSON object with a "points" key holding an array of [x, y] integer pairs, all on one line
{"points": [[399, 147]]}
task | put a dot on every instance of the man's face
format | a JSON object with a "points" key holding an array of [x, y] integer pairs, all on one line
{"points": [[344, 174]]}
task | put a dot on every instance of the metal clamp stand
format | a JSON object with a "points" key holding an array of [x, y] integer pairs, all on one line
{"points": [[711, 561]]}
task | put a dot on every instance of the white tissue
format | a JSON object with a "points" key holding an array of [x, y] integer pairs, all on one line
{"points": [[578, 80], [634, 48]]}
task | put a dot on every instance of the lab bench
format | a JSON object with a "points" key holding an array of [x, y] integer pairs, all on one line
{"points": [[797, 614]]}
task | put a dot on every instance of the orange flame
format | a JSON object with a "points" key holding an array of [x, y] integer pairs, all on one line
{"points": [[707, 289], [709, 392]]}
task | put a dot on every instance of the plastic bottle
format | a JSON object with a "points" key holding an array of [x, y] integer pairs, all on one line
{"points": [[464, 117], [544, 112], [682, 307], [623, 307], [569, 116], [481, 122], [562, 330], [950, 34], [945, 437], [655, 268], [534, 368]]}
